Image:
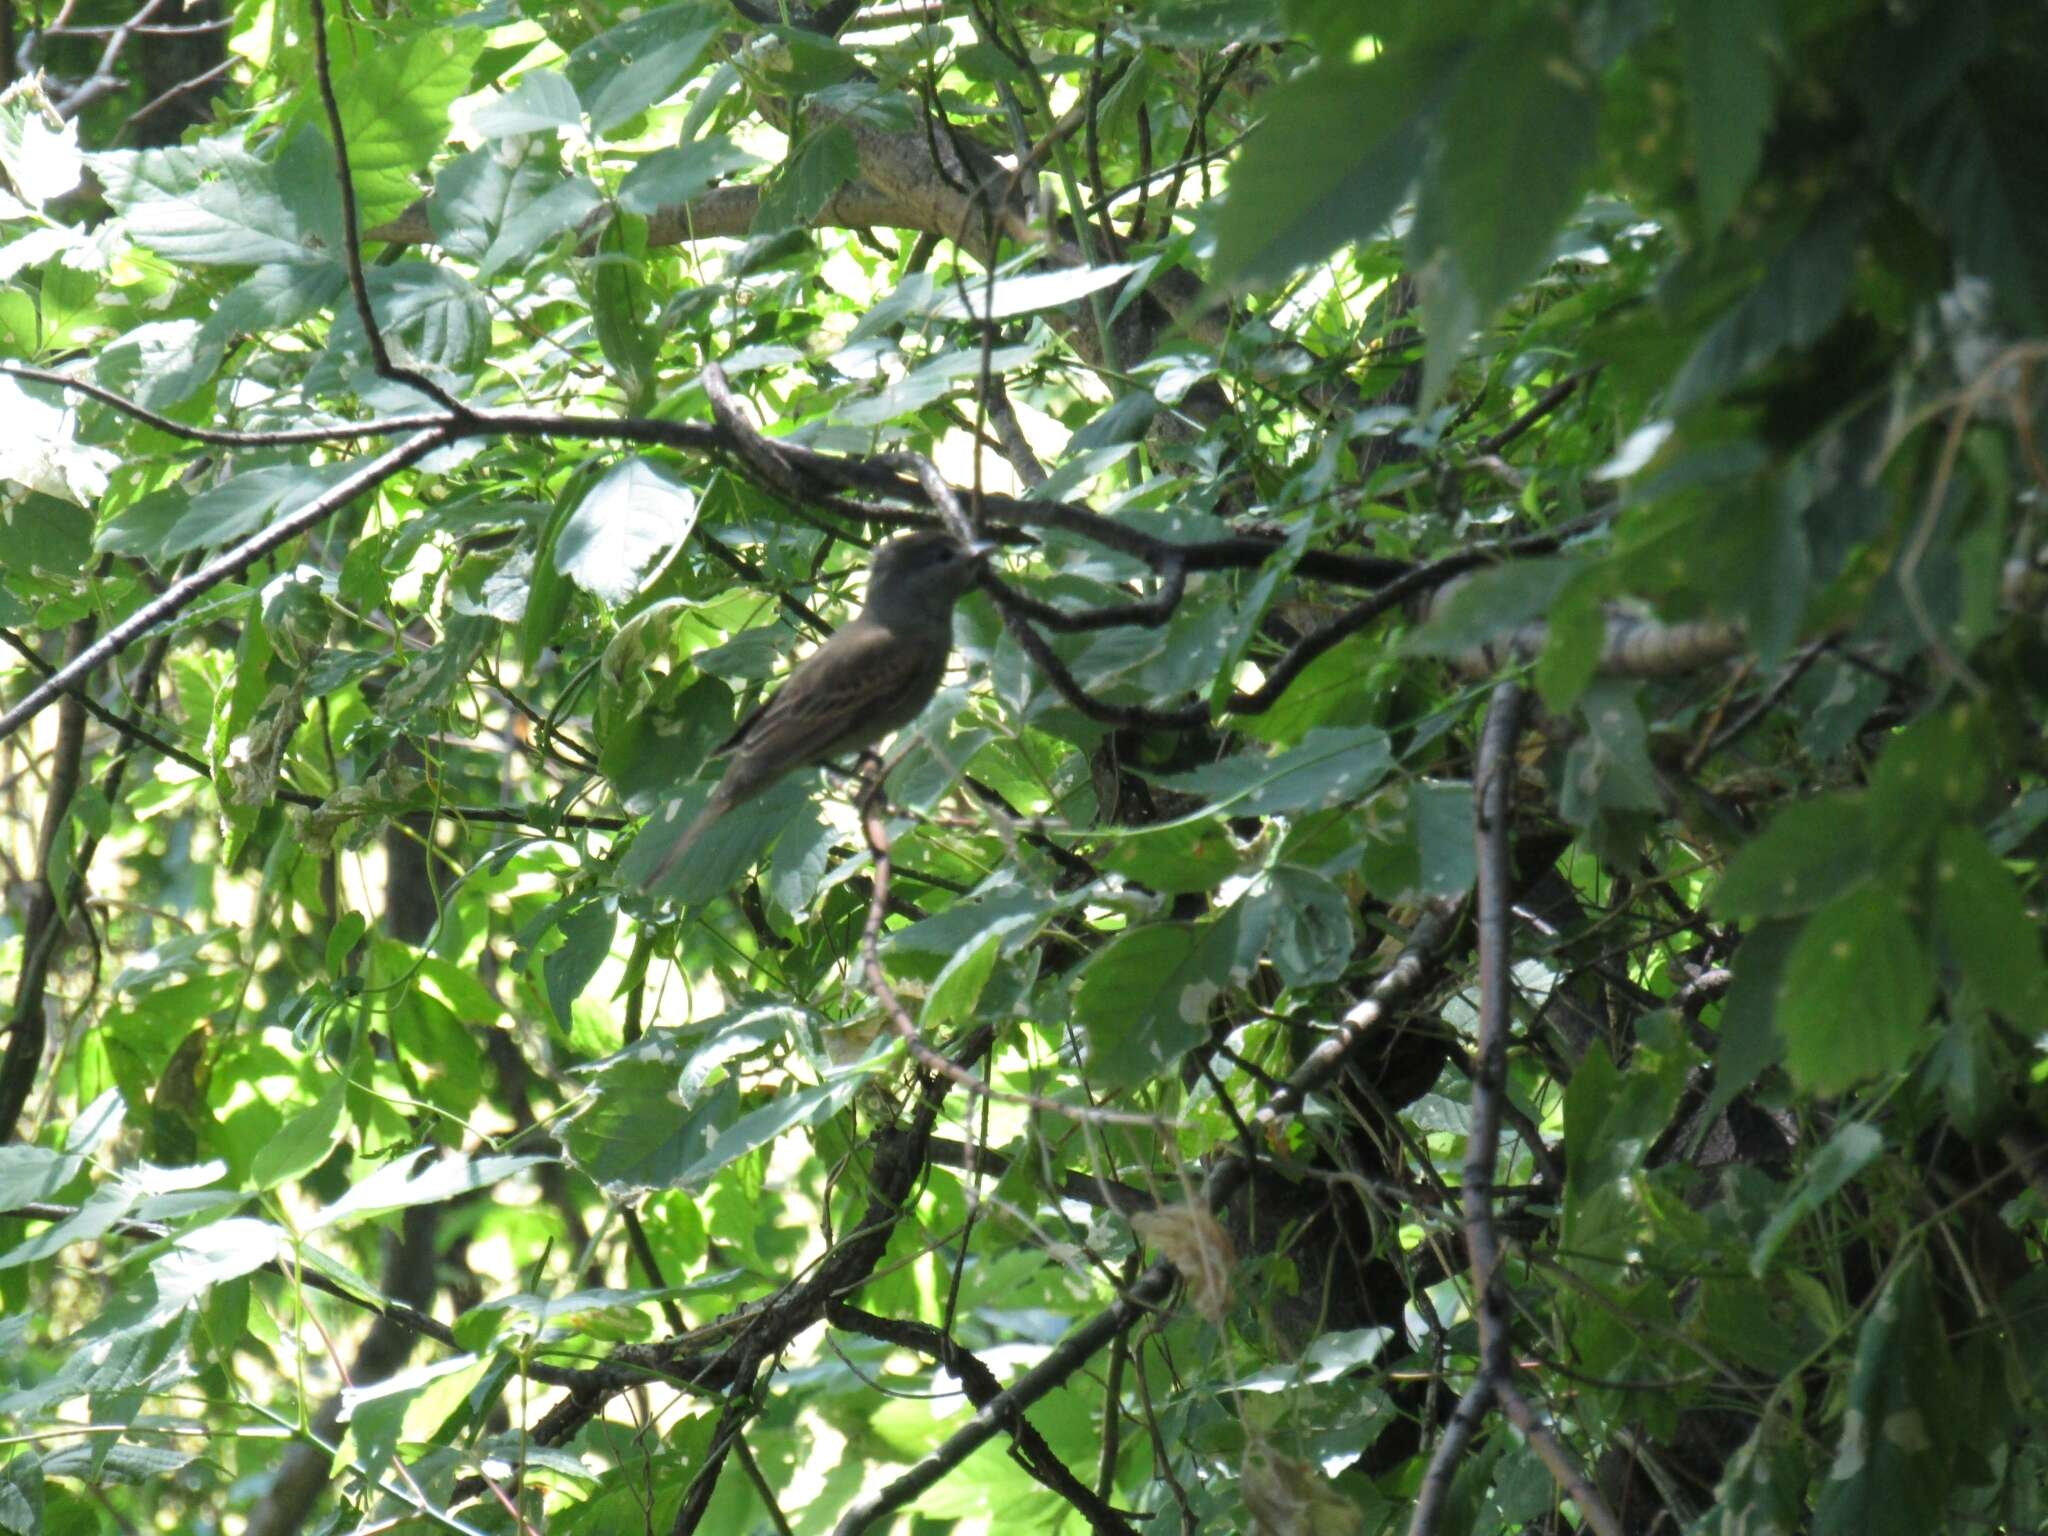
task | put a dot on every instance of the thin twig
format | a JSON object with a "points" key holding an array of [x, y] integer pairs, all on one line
{"points": [[1494, 776], [103, 81], [351, 233], [1543, 405], [49, 907], [762, 1487]]}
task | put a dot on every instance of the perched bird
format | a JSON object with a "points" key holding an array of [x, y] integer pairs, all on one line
{"points": [[873, 676]]}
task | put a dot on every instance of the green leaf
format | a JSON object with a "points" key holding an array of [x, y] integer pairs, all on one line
{"points": [[1516, 139], [1575, 635], [527, 226], [622, 311], [1608, 768], [1144, 1000], [1933, 773], [1026, 293], [540, 101], [394, 98], [231, 510], [1610, 1119], [30, 1173], [1182, 856], [802, 855], [958, 987], [631, 1135], [1730, 89], [1420, 840], [807, 62], [1341, 687], [342, 939], [279, 295], [430, 316], [823, 163], [702, 1050], [1984, 921], [1809, 854], [1311, 938], [1339, 148], [727, 848], [1330, 767], [1443, 816], [212, 204], [475, 194], [626, 526], [548, 591], [21, 1496], [411, 1180], [304, 1143], [1894, 1461], [1847, 1153], [784, 1113], [670, 177], [1749, 1043], [1117, 1001], [102, 1209], [162, 365], [376, 1410], [930, 381], [1979, 163], [39, 155], [1494, 602], [18, 330], [627, 69], [1857, 987], [1208, 23], [122, 1465], [1001, 907], [1764, 1486], [587, 944], [218, 1252], [1796, 299], [45, 535]]}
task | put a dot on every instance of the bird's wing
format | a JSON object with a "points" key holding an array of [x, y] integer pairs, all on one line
{"points": [[848, 693]]}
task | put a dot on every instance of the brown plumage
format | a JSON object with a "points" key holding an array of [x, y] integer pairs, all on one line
{"points": [[874, 676]]}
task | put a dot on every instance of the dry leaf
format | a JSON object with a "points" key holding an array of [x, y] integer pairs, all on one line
{"points": [[1192, 1241], [1292, 1498]]}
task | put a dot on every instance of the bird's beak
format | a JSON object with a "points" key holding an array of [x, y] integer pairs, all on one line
{"points": [[981, 549]]}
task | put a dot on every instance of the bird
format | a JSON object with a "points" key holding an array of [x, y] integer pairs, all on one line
{"points": [[872, 676]]}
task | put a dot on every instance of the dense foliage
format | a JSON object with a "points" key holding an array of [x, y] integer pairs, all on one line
{"points": [[1460, 950]]}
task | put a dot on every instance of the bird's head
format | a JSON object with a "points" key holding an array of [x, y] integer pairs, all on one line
{"points": [[919, 576]]}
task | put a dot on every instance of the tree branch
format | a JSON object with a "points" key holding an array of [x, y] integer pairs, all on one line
{"points": [[230, 563]]}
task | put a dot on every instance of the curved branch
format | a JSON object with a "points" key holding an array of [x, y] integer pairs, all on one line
{"points": [[135, 731], [227, 565], [1149, 613], [340, 432], [1069, 688]]}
